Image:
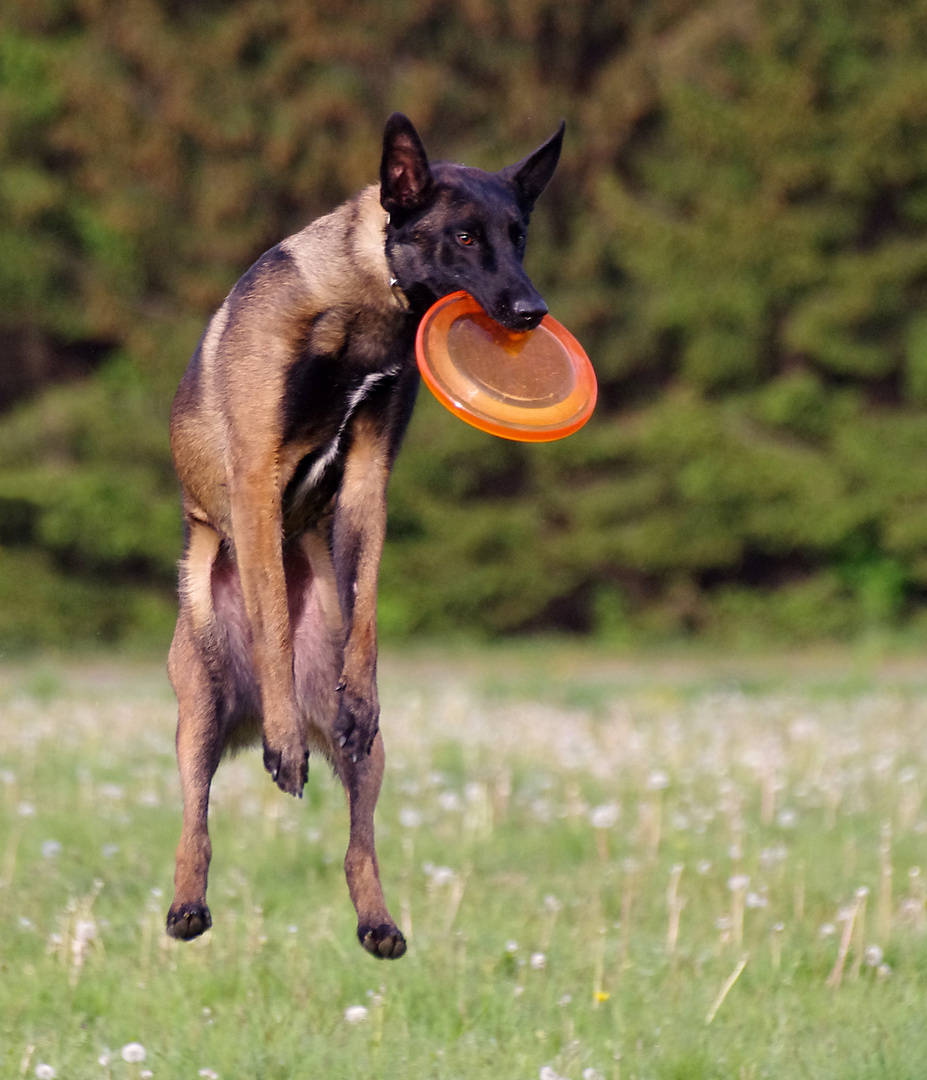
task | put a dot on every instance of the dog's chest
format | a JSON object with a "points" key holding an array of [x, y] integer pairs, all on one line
{"points": [[318, 474]]}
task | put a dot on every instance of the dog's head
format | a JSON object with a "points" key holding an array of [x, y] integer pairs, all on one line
{"points": [[454, 227]]}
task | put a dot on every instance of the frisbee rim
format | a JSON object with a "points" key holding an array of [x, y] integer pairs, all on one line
{"points": [[587, 388]]}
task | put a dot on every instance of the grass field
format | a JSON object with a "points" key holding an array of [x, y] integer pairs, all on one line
{"points": [[617, 870]]}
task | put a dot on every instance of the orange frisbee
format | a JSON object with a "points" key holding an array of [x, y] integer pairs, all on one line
{"points": [[533, 387]]}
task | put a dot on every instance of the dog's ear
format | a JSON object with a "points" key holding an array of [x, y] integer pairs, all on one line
{"points": [[531, 175], [405, 178]]}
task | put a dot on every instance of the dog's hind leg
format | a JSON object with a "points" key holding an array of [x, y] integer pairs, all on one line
{"points": [[199, 740], [318, 635], [362, 778]]}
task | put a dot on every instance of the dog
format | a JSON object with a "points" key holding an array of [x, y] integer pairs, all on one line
{"points": [[284, 430]]}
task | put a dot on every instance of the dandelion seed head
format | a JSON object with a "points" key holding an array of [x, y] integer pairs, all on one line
{"points": [[133, 1053], [409, 818], [511, 946], [85, 930], [873, 956], [738, 882], [45, 1072], [657, 780], [827, 930], [604, 816], [51, 849], [449, 801], [208, 1074], [538, 961], [442, 875], [355, 1014]]}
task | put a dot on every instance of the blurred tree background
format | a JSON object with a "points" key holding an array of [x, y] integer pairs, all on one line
{"points": [[737, 233]]}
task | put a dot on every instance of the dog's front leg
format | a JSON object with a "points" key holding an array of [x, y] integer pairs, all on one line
{"points": [[258, 530], [358, 535]]}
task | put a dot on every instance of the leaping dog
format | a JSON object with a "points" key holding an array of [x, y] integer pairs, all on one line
{"points": [[284, 431]]}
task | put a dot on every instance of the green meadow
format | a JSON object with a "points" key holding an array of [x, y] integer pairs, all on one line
{"points": [[607, 870]]}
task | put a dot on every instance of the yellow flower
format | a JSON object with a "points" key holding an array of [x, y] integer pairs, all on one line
{"points": [[600, 995]]}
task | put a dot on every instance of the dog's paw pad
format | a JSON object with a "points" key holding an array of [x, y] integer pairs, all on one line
{"points": [[188, 921], [384, 941]]}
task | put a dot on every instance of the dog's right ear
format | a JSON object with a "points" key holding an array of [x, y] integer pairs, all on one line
{"points": [[405, 177]]}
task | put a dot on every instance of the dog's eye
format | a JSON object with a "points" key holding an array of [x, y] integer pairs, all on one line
{"points": [[465, 239]]}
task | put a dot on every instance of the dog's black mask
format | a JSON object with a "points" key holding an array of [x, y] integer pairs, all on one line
{"points": [[455, 227]]}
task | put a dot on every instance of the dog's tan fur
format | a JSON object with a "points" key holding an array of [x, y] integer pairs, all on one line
{"points": [[284, 431]]}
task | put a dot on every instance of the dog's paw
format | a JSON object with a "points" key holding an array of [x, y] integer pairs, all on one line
{"points": [[187, 921], [385, 941], [357, 724], [288, 769]]}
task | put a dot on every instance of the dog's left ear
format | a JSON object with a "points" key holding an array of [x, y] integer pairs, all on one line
{"points": [[531, 175], [405, 176]]}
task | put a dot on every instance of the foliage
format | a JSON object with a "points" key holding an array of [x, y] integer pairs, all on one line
{"points": [[737, 233]]}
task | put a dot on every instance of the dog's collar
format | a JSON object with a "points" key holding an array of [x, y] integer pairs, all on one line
{"points": [[401, 299]]}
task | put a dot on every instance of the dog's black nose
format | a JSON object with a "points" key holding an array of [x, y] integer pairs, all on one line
{"points": [[527, 312]]}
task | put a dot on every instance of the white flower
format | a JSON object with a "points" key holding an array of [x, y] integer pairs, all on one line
{"points": [[538, 961], [45, 1072], [604, 816], [449, 801], [511, 946], [208, 1074], [409, 818], [657, 781], [145, 1074], [51, 848], [442, 875], [355, 1014], [738, 882], [133, 1053], [86, 930], [873, 956], [547, 1073]]}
